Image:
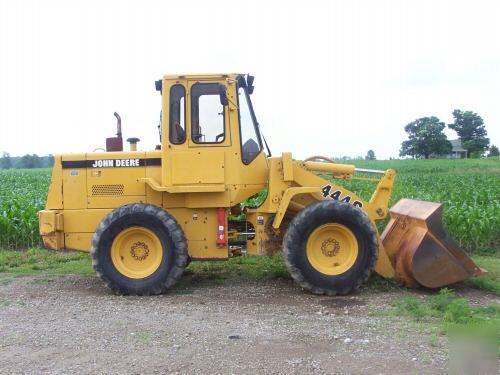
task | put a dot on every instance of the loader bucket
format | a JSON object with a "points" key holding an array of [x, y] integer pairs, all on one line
{"points": [[419, 248]]}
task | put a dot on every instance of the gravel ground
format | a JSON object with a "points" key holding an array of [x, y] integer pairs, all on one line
{"points": [[73, 324]]}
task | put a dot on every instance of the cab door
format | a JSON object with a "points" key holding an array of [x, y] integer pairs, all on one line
{"points": [[174, 124], [208, 137]]}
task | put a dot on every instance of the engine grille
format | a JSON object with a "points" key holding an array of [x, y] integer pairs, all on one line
{"points": [[107, 189]]}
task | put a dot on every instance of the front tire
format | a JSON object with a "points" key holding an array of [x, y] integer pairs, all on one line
{"points": [[139, 249], [330, 248]]}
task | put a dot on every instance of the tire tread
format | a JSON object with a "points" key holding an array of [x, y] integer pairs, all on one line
{"points": [[323, 208], [176, 234]]}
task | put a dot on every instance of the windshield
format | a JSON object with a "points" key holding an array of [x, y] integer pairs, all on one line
{"points": [[251, 142]]}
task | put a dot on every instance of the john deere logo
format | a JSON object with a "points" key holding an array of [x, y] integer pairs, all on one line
{"points": [[139, 251], [330, 247]]}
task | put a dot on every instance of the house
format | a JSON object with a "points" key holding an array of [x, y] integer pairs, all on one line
{"points": [[457, 151]]}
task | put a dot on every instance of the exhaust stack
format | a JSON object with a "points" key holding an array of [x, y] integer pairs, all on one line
{"points": [[116, 143]]}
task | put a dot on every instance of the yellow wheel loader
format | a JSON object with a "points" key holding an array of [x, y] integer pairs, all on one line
{"points": [[144, 215]]}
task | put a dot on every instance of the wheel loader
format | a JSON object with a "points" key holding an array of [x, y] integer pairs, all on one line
{"points": [[144, 215]]}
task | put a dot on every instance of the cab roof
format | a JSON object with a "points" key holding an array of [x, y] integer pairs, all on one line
{"points": [[202, 76]]}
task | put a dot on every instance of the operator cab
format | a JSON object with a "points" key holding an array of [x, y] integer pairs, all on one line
{"points": [[207, 112], [208, 126]]}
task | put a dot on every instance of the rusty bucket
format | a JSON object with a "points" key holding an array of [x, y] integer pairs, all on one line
{"points": [[421, 252]]}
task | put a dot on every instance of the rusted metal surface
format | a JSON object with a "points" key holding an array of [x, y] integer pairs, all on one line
{"points": [[116, 143], [419, 248]]}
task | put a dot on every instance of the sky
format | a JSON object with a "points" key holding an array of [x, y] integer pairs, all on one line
{"points": [[332, 77]]}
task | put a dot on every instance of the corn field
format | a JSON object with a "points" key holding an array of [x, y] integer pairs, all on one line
{"points": [[22, 195], [469, 189]]}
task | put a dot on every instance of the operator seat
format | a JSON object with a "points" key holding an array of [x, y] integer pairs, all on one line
{"points": [[178, 134], [249, 150]]}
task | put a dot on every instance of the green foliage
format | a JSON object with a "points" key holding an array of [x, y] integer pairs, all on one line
{"points": [[29, 161], [493, 151], [5, 161], [458, 311], [252, 202], [486, 283], [370, 155], [256, 200], [244, 267], [445, 308], [440, 301], [411, 306], [50, 262], [22, 195], [425, 138], [471, 130], [491, 280], [26, 161], [378, 284], [469, 190]]}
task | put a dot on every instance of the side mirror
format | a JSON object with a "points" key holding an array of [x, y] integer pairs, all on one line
{"points": [[241, 81], [250, 85], [223, 95], [158, 85]]}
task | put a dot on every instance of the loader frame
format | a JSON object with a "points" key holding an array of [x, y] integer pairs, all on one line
{"points": [[294, 184], [197, 180], [193, 180]]}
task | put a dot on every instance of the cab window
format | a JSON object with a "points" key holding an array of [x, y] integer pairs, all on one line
{"points": [[250, 141], [207, 114], [177, 127]]}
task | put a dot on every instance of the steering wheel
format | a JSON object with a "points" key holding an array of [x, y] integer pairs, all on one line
{"points": [[221, 135]]}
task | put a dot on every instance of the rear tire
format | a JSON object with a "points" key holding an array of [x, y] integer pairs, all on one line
{"points": [[330, 248], [139, 249]]}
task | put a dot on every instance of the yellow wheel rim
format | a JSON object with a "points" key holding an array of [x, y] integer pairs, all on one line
{"points": [[332, 249], [136, 252]]}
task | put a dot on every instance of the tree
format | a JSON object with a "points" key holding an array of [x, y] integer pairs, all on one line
{"points": [[493, 151], [425, 138], [46, 161], [29, 161], [471, 131], [5, 161], [370, 155], [50, 161]]}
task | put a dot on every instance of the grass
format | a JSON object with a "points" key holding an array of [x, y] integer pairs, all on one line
{"points": [[51, 263], [436, 306], [490, 281], [449, 313], [47, 263], [240, 268], [377, 283]]}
